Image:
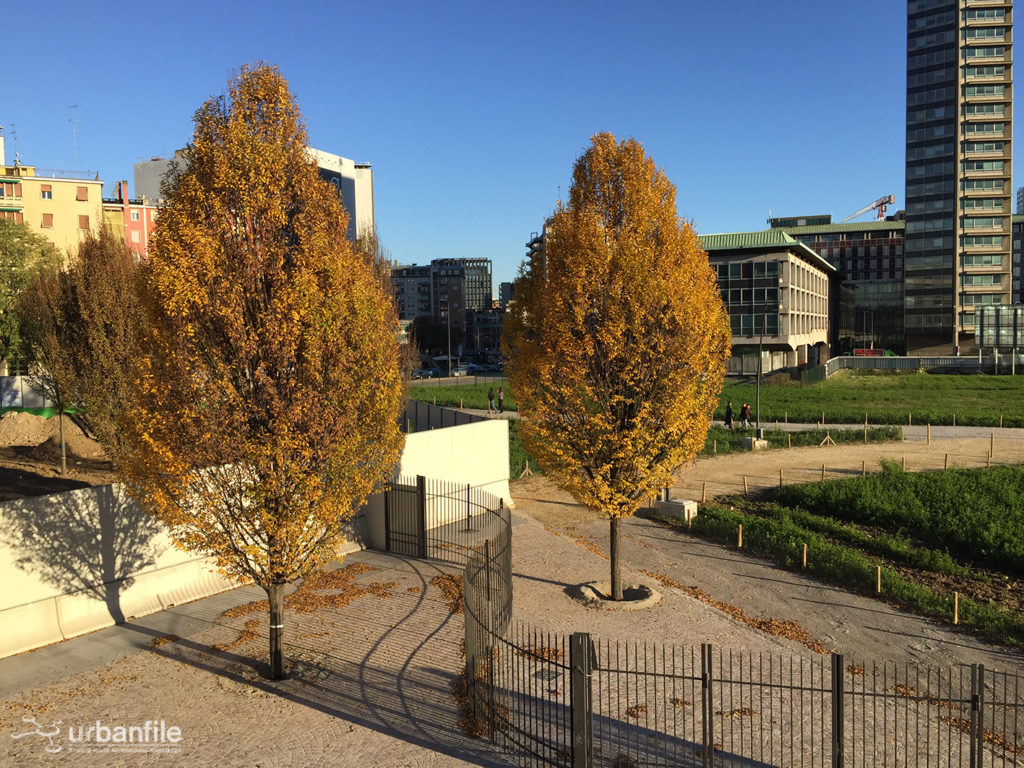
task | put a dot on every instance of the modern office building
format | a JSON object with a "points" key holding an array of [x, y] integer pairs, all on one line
{"points": [[868, 257], [957, 248], [354, 182], [777, 292], [442, 289]]}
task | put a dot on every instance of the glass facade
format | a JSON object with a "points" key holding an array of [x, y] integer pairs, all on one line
{"points": [[750, 291], [958, 164]]}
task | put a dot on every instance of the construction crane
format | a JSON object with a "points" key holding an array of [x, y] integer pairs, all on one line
{"points": [[880, 204]]}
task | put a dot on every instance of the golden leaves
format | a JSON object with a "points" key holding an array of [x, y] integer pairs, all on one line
{"points": [[618, 337]]}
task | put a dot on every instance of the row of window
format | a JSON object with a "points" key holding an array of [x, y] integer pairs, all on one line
{"points": [[996, 108], [983, 146], [745, 270], [984, 14], [987, 128], [748, 325], [982, 204], [972, 280], [47, 221], [988, 70], [983, 241], [751, 296], [984, 33], [981, 299], [982, 185], [997, 89], [987, 52], [46, 193], [983, 222], [981, 165], [10, 189], [981, 260]]}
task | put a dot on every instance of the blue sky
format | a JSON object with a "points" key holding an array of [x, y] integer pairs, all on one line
{"points": [[472, 113]]}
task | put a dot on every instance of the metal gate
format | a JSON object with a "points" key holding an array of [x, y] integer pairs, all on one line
{"points": [[405, 518]]}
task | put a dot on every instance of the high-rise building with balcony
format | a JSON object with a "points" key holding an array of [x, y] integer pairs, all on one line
{"points": [[958, 168]]}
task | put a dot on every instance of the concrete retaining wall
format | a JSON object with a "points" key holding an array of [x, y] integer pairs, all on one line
{"points": [[75, 562]]}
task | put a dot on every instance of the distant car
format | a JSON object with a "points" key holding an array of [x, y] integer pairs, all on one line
{"points": [[424, 373], [459, 370]]}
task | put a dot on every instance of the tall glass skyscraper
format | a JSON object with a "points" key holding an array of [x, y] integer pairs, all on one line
{"points": [[958, 168]]}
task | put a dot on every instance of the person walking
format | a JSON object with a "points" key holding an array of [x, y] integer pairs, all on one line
{"points": [[501, 400], [728, 415], [745, 415], [490, 401]]}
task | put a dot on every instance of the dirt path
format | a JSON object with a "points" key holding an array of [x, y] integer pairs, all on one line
{"points": [[862, 627]]}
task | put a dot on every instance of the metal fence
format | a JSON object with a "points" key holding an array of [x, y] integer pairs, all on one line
{"points": [[912, 363], [549, 699], [441, 520], [420, 417]]}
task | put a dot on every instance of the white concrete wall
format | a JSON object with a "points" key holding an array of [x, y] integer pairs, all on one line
{"points": [[75, 562]]}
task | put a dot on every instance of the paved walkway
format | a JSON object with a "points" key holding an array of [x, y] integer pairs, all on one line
{"points": [[371, 686]]}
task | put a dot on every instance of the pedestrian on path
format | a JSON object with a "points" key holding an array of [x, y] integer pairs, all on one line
{"points": [[745, 415], [490, 401], [501, 400], [728, 415]]}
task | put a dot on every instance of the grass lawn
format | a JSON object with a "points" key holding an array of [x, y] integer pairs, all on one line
{"points": [[932, 534], [471, 394], [846, 396]]}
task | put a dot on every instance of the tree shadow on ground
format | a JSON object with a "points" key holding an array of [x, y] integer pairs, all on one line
{"points": [[92, 540]]}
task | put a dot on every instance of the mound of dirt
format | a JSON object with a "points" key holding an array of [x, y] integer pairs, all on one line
{"points": [[30, 457]]}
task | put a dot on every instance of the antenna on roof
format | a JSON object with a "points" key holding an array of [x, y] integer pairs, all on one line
{"points": [[74, 135]]}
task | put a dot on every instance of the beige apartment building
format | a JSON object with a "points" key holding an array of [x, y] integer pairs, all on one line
{"points": [[60, 205], [777, 292]]}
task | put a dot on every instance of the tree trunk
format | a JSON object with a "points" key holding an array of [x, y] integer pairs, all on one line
{"points": [[63, 447], [613, 551], [275, 596]]}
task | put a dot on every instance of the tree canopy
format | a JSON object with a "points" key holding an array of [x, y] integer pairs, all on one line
{"points": [[22, 252], [269, 386], [618, 338]]}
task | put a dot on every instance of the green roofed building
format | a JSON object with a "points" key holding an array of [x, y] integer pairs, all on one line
{"points": [[777, 292]]}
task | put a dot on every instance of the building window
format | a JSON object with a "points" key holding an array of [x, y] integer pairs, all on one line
{"points": [[83, 222], [46, 192], [134, 215], [47, 221], [83, 194], [136, 236]]}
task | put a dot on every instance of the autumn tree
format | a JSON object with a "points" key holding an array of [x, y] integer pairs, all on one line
{"points": [[83, 325], [618, 339], [269, 388]]}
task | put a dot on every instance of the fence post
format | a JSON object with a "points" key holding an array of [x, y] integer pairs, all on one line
{"points": [[582, 662], [707, 706], [837, 711], [388, 490], [421, 516], [975, 717], [468, 490]]}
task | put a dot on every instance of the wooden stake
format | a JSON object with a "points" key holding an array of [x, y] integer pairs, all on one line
{"points": [[822, 471], [739, 541], [804, 561], [703, 493], [435, 399], [865, 433], [822, 418], [910, 419], [460, 405], [878, 579], [945, 462], [956, 607], [746, 490], [929, 434], [776, 425], [789, 440], [780, 477], [863, 469], [715, 447], [988, 462], [526, 472], [786, 416], [865, 421], [904, 463], [954, 419], [992, 445], [1000, 421]]}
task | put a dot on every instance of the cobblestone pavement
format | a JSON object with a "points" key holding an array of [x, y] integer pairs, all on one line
{"points": [[370, 686]]}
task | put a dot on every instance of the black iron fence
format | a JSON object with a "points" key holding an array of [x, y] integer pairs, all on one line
{"points": [[420, 417], [555, 700]]}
